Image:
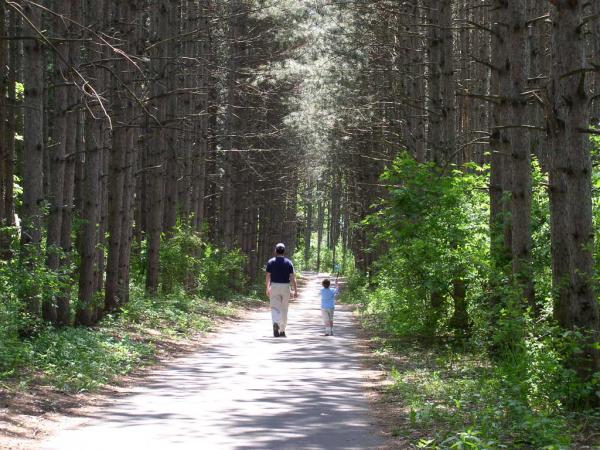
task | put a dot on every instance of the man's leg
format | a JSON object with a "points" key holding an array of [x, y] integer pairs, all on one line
{"points": [[275, 302], [285, 303]]}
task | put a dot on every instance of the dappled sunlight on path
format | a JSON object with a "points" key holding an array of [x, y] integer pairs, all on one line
{"points": [[246, 390]]}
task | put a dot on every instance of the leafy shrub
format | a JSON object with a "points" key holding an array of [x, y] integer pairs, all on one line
{"points": [[188, 262], [434, 227], [77, 359], [180, 259], [23, 278], [221, 272]]}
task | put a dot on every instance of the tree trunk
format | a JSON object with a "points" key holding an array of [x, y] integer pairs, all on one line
{"points": [[417, 86], [448, 93], [13, 116], [90, 189], [156, 145], [538, 71], [121, 147], [4, 111], [170, 126], [127, 217], [500, 175], [595, 38], [200, 129], [320, 223], [308, 222], [434, 69], [57, 153], [88, 233], [571, 185], [33, 151], [520, 154]]}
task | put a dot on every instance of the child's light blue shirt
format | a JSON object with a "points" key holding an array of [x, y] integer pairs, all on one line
{"points": [[328, 298]]}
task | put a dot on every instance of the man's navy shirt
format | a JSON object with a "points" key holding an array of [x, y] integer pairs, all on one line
{"points": [[280, 269]]}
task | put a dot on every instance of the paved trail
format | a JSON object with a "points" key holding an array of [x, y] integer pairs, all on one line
{"points": [[245, 390]]}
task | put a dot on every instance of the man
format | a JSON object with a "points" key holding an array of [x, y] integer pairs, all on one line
{"points": [[280, 272]]}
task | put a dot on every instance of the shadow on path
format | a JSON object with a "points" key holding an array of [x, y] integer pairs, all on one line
{"points": [[246, 390]]}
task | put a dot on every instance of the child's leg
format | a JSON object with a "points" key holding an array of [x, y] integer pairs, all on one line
{"points": [[325, 316]]}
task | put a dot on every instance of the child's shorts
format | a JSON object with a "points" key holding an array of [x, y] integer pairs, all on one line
{"points": [[327, 314]]}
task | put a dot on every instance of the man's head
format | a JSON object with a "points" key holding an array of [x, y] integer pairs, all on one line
{"points": [[280, 249], [326, 283]]}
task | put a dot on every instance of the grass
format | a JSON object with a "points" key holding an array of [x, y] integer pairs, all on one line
{"points": [[441, 396], [85, 359]]}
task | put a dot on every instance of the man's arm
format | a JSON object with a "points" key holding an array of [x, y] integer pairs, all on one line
{"points": [[293, 280], [268, 284]]}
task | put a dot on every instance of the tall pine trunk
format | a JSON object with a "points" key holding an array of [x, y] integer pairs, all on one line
{"points": [[58, 151], [520, 161], [156, 145], [500, 175], [434, 81], [33, 150], [572, 232]]}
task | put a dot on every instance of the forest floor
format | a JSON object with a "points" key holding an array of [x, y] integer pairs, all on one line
{"points": [[431, 394], [239, 388], [33, 407]]}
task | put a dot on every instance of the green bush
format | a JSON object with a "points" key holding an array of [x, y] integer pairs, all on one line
{"points": [[188, 262], [180, 259], [75, 359], [23, 279], [434, 226], [221, 273]]}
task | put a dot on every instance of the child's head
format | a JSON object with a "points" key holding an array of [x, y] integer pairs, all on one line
{"points": [[326, 283]]}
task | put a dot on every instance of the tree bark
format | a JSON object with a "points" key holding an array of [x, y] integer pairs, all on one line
{"points": [[4, 108], [308, 222], [7, 164], [170, 125], [572, 232], [595, 57], [33, 151], [434, 69], [500, 175], [520, 161], [320, 223], [156, 145], [88, 234], [57, 153], [121, 147], [448, 92], [90, 189]]}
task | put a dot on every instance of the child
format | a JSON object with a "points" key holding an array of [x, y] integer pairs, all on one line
{"points": [[328, 305]]}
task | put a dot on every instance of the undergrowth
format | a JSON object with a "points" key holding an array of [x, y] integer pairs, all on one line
{"points": [[470, 363], [79, 359], [450, 396], [199, 283]]}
